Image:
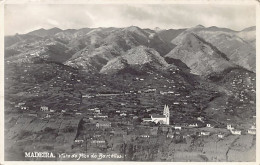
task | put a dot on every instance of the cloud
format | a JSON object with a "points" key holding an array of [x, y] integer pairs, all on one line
{"points": [[27, 17]]}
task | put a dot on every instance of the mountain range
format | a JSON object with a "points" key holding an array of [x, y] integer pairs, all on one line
{"points": [[203, 50]]}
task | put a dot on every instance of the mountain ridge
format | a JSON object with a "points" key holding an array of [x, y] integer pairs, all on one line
{"points": [[201, 57], [92, 48]]}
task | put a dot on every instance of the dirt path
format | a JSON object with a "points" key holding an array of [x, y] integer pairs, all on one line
{"points": [[230, 147]]}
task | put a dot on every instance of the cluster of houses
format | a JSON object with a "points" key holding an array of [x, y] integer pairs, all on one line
{"points": [[252, 130], [22, 106], [179, 126], [234, 131], [34, 114], [238, 83], [103, 130], [46, 111], [97, 113], [139, 79]]}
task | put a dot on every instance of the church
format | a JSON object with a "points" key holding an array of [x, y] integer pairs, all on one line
{"points": [[162, 119]]}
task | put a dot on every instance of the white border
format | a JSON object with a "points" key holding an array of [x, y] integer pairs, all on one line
{"points": [[224, 2]]}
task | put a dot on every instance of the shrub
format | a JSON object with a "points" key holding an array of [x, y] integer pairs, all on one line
{"points": [[68, 129]]}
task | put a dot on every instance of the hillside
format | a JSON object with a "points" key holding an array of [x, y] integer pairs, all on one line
{"points": [[105, 46], [44, 33], [170, 34], [238, 46], [201, 57], [249, 35], [136, 56]]}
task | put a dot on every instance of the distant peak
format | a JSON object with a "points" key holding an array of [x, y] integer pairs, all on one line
{"points": [[199, 26], [157, 29], [40, 29], [249, 28], [37, 30], [213, 27], [55, 28], [133, 28]]}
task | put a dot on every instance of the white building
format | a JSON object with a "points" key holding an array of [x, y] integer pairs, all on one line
{"points": [[193, 125], [52, 110], [123, 114], [78, 141], [100, 116], [200, 119], [48, 116], [96, 110], [44, 108], [98, 141], [144, 136], [235, 132], [103, 124], [162, 119], [251, 131], [220, 136], [229, 127], [205, 133], [23, 108], [177, 127], [20, 104], [253, 127]]}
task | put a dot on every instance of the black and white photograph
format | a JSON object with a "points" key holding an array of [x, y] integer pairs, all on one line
{"points": [[130, 82]]}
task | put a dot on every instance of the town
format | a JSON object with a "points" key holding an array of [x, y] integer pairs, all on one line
{"points": [[98, 130], [95, 114]]}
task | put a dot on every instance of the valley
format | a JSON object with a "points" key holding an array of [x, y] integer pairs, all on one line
{"points": [[89, 91]]}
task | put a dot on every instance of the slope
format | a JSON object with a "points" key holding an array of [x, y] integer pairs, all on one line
{"points": [[138, 56], [201, 57], [238, 46]]}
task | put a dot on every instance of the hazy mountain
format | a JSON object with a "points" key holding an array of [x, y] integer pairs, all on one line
{"points": [[92, 48], [252, 28], [43, 32], [10, 40], [201, 57], [249, 35], [169, 35], [237, 46], [238, 50]]}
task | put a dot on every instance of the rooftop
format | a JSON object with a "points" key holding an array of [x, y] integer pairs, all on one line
{"points": [[158, 116]]}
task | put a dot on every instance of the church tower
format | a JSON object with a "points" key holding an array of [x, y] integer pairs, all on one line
{"points": [[166, 112]]}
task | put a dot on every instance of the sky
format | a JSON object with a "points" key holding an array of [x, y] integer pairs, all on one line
{"points": [[23, 18]]}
